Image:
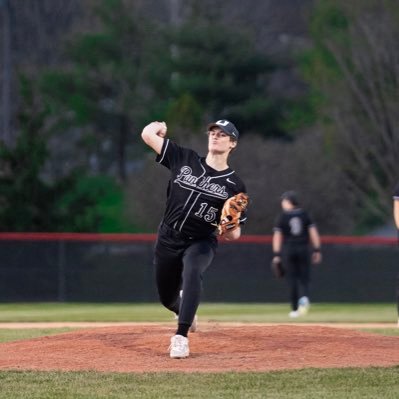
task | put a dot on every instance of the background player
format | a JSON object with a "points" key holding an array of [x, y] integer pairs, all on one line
{"points": [[396, 218], [293, 233], [186, 243]]}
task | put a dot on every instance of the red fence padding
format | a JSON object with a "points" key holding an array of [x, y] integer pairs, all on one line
{"points": [[130, 237], [77, 237], [349, 240]]}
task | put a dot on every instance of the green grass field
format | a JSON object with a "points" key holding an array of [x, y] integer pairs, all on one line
{"points": [[222, 312], [369, 383], [308, 383]]}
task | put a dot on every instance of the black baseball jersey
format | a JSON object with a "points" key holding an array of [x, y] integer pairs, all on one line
{"points": [[196, 192], [294, 226]]}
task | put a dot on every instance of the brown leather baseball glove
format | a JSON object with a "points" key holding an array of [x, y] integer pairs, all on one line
{"points": [[231, 212], [277, 267]]}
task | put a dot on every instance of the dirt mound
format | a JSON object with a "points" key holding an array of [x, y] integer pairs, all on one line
{"points": [[215, 348]]}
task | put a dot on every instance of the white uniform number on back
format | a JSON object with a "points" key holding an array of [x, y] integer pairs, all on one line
{"points": [[296, 226]]}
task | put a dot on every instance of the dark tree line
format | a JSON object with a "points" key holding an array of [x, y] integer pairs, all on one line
{"points": [[303, 81]]}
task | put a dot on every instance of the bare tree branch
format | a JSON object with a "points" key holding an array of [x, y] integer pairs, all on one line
{"points": [[364, 104]]}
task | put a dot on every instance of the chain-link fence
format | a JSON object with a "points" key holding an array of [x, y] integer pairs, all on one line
{"points": [[118, 268]]}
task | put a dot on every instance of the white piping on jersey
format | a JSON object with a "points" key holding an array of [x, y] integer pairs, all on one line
{"points": [[164, 152], [188, 199], [227, 174], [199, 194], [191, 207], [188, 181], [214, 177], [184, 207]]}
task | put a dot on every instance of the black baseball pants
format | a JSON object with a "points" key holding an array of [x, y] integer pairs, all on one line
{"points": [[180, 263], [297, 261]]}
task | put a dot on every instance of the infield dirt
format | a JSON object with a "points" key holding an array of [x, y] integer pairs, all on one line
{"points": [[214, 348]]}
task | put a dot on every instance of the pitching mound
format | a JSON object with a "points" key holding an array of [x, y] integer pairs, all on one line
{"points": [[215, 348]]}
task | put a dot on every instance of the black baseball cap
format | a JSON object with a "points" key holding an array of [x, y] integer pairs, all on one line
{"points": [[227, 126], [291, 196]]}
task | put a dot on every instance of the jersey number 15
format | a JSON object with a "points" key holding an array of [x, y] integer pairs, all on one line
{"points": [[209, 214]]}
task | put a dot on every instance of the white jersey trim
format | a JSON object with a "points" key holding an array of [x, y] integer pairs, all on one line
{"points": [[164, 152], [199, 192], [187, 201], [188, 212]]}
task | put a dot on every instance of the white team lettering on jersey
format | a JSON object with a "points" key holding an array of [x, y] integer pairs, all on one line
{"points": [[202, 184]]}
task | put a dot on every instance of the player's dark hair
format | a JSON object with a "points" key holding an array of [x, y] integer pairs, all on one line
{"points": [[291, 196], [234, 148]]}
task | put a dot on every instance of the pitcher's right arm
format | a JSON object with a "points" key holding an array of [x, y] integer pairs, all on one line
{"points": [[153, 135]]}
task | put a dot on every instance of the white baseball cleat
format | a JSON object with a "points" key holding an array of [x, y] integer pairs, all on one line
{"points": [[303, 305], [293, 314], [179, 347]]}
